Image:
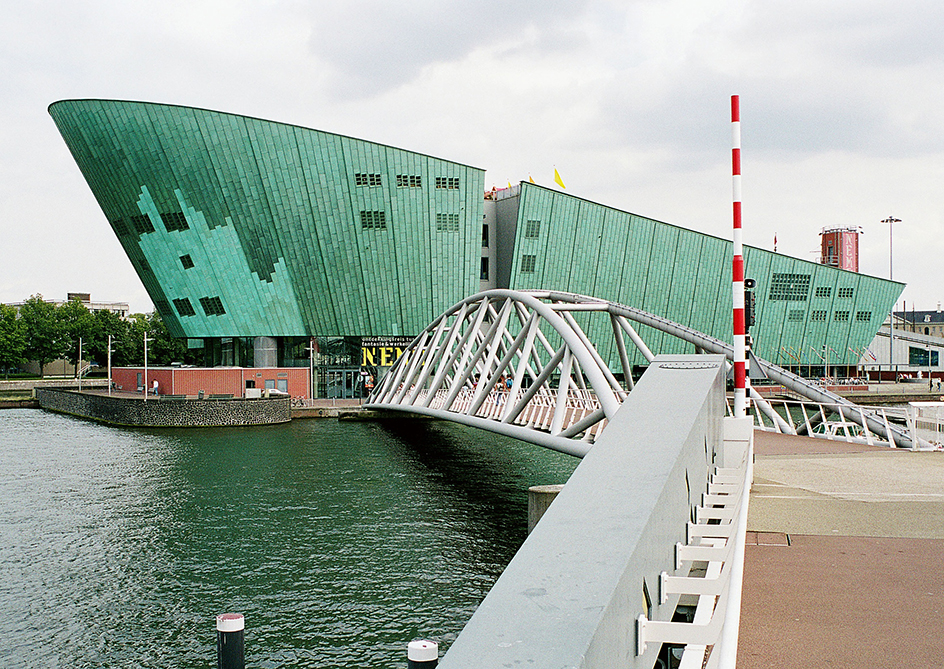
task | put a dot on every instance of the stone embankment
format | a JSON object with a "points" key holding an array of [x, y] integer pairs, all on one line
{"points": [[165, 410]]}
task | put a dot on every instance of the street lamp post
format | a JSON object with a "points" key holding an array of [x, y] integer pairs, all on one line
{"points": [[146, 340], [891, 317], [109, 364]]}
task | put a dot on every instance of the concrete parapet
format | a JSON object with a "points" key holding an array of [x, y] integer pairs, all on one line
{"points": [[136, 412], [571, 595]]}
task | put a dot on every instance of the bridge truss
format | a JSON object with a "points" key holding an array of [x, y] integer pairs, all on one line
{"points": [[518, 363]]}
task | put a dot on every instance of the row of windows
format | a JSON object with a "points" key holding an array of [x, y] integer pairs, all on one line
{"points": [[409, 181], [377, 220], [447, 222], [367, 180], [212, 306], [821, 315], [789, 287], [404, 181], [827, 291], [174, 221]]}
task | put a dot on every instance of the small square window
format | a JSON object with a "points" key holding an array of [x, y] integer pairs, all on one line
{"points": [[184, 308], [186, 261], [212, 306], [528, 263]]}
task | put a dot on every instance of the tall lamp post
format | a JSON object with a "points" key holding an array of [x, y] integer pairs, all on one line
{"points": [[146, 340], [891, 317]]}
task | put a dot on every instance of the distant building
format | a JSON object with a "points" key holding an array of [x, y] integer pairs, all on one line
{"points": [[921, 322], [840, 248], [120, 309]]}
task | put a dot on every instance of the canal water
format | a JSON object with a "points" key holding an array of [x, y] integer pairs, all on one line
{"points": [[339, 542]]}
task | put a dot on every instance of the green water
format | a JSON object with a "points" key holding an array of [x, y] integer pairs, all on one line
{"points": [[339, 542]]}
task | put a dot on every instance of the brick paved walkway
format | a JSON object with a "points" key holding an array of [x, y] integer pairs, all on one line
{"points": [[843, 566]]}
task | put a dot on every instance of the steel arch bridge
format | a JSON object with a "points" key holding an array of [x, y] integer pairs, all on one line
{"points": [[518, 363]]}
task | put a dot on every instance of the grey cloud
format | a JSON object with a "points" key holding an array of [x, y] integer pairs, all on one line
{"points": [[375, 45]]}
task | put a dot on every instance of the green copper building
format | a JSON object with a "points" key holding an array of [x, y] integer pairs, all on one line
{"points": [[252, 237]]}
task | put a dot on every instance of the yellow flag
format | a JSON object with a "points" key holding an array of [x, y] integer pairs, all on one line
{"points": [[509, 184], [530, 179], [558, 180]]}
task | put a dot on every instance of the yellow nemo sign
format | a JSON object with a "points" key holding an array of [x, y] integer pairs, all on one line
{"points": [[382, 351]]}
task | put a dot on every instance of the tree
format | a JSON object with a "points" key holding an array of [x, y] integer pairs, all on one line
{"points": [[77, 324], [42, 331], [106, 323], [12, 339], [164, 349]]}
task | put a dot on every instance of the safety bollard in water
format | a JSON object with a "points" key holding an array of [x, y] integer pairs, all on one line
{"points": [[422, 654], [230, 647]]}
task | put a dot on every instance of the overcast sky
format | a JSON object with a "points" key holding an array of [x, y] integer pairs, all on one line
{"points": [[842, 109]]}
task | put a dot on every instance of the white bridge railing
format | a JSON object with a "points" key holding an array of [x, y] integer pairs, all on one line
{"points": [[922, 421]]}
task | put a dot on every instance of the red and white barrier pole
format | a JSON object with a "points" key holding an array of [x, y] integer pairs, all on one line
{"points": [[740, 333]]}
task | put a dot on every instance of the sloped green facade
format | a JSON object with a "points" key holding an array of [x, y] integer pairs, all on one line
{"points": [[240, 227], [244, 227], [587, 248]]}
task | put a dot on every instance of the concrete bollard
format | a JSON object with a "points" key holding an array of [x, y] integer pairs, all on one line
{"points": [[539, 499], [230, 646], [422, 654]]}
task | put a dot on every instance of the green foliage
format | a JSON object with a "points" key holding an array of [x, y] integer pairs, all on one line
{"points": [[12, 338], [76, 324], [42, 330]]}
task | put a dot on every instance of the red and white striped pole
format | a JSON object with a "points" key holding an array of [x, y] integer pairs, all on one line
{"points": [[740, 334]]}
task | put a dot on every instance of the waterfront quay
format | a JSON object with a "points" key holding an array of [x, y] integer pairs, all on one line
{"points": [[843, 558]]}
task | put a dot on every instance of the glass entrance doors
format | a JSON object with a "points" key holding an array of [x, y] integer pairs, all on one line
{"points": [[340, 383]]}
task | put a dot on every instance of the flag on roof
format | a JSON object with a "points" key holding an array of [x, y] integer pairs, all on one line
{"points": [[557, 179]]}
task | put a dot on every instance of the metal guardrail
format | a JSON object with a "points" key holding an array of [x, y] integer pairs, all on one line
{"points": [[851, 423]]}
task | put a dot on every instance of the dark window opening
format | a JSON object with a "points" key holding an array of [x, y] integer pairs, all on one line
{"points": [[175, 221], [186, 261], [370, 180], [142, 224], [409, 181], [447, 222], [789, 287], [212, 306], [184, 308], [373, 220]]}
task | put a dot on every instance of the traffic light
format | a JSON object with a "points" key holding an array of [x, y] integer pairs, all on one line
{"points": [[749, 311]]}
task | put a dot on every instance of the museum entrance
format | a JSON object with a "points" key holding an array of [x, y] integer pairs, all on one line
{"points": [[341, 383]]}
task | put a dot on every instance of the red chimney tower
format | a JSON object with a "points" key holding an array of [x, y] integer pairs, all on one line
{"points": [[840, 248]]}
